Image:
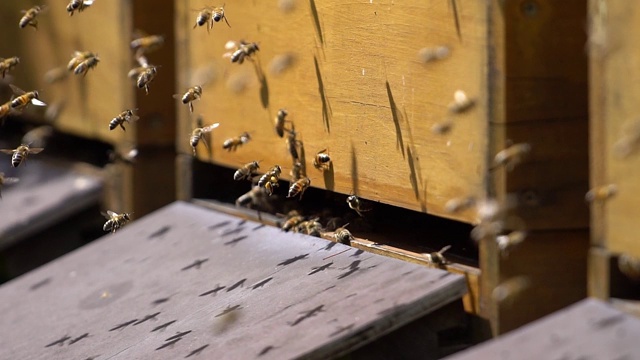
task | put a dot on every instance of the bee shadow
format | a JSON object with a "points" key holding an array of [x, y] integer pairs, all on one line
{"points": [[397, 116], [328, 175], [264, 85], [354, 170], [326, 106]]}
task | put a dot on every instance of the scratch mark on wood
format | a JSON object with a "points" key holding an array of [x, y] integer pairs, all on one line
{"points": [[170, 343], [196, 264], [336, 254], [308, 314], [228, 310], [123, 325], [236, 285], [456, 18], [261, 283], [197, 351], [213, 291], [146, 318], [163, 230], [59, 342], [317, 269], [163, 326], [395, 114], [327, 112], [293, 259]]}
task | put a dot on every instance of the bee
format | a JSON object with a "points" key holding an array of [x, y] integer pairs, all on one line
{"points": [[342, 235], [511, 156], [293, 219], [243, 50], [20, 154], [38, 136], [198, 134], [125, 116], [5, 180], [322, 161], [510, 289], [78, 5], [204, 17], [309, 227], [280, 120], [8, 64], [246, 171], [601, 193], [297, 171], [84, 66], [629, 266], [299, 187], [146, 44], [293, 143], [355, 204], [128, 157], [427, 54], [77, 58], [146, 77], [115, 221], [232, 144], [269, 180], [509, 241], [29, 17], [459, 204], [55, 75], [24, 98], [461, 102], [436, 258], [218, 14], [6, 110], [192, 94]]}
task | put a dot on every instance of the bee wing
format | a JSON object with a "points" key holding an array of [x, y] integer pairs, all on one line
{"points": [[231, 45], [143, 61], [133, 118], [444, 249], [110, 214], [7, 151], [132, 154], [16, 90], [35, 150], [38, 102], [210, 127], [87, 2]]}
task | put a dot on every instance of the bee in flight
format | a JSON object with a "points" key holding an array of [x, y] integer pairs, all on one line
{"points": [[246, 171], [20, 154], [269, 180], [86, 64], [511, 156], [30, 15], [125, 116], [6, 180], [299, 187], [280, 121], [78, 57], [37, 137], [322, 161], [192, 94], [24, 98], [128, 157], [232, 144], [8, 64], [461, 102], [115, 221], [218, 14], [146, 43], [199, 133], [209, 15], [242, 50], [78, 5], [355, 204], [601, 193], [146, 77]]}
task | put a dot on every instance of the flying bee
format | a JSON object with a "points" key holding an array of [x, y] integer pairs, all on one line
{"points": [[6, 110], [509, 241], [8, 64], [146, 77], [511, 156], [145, 44], [601, 193], [24, 98], [255, 198], [299, 187], [427, 54], [218, 14], [125, 116], [115, 221], [629, 141], [204, 17], [199, 134], [355, 204], [20, 154], [442, 128], [280, 121], [459, 204], [461, 102], [436, 258], [128, 157], [78, 57], [192, 94], [342, 235], [246, 171], [269, 180], [242, 50], [322, 161], [232, 144], [29, 17], [78, 5], [5, 180], [84, 66]]}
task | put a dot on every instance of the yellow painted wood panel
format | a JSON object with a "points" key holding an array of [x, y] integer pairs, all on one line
{"points": [[90, 103], [357, 87]]}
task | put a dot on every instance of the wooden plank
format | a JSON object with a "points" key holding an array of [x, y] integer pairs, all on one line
{"points": [[589, 329], [599, 274], [47, 193], [188, 278], [359, 60]]}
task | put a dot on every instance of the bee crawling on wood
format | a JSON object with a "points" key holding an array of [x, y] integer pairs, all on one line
{"points": [[115, 221], [299, 187], [342, 235], [436, 258], [30, 15], [601, 193], [293, 218], [8, 64], [6, 180], [125, 116], [269, 180], [20, 154], [309, 227], [280, 121], [322, 160], [293, 144], [246, 171], [243, 50], [192, 94], [232, 144], [355, 204], [24, 98], [78, 5], [199, 133]]}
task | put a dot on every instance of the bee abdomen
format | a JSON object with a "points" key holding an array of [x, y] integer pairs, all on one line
{"points": [[16, 159], [113, 124]]}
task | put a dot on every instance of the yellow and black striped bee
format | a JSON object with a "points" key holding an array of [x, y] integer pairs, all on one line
{"points": [[322, 161], [205, 17], [146, 43], [269, 180], [293, 218], [6, 180], [198, 134], [78, 5], [8, 64], [24, 98], [20, 154], [280, 121], [84, 66], [246, 171], [30, 15], [342, 235], [309, 227], [293, 144], [146, 77], [243, 50], [232, 144], [115, 221], [299, 187], [436, 258], [218, 14], [125, 116], [78, 57], [354, 203], [6, 110], [192, 94]]}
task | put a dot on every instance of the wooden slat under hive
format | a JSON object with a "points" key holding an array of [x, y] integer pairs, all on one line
{"points": [[229, 286], [356, 87]]}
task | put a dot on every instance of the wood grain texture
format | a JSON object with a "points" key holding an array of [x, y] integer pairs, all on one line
{"points": [[356, 87], [614, 96], [186, 278], [589, 329]]}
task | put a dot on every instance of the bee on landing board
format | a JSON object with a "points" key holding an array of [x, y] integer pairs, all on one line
{"points": [[232, 144], [269, 180], [6, 180], [126, 116], [198, 134], [355, 204], [342, 235], [115, 221], [246, 171], [30, 15], [240, 51], [8, 64], [299, 187], [146, 77], [436, 258], [309, 227], [20, 154], [78, 5], [322, 161], [192, 94], [293, 218], [24, 98]]}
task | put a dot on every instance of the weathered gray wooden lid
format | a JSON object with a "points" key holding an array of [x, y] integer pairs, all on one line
{"points": [[587, 330], [48, 192], [187, 282]]}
